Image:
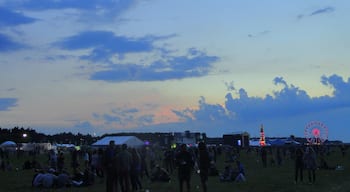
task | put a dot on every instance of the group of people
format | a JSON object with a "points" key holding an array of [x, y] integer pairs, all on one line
{"points": [[122, 168], [305, 160], [52, 178]]}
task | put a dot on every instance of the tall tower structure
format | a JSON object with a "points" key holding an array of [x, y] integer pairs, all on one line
{"points": [[262, 136]]}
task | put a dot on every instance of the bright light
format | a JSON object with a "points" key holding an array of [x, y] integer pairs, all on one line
{"points": [[24, 135]]}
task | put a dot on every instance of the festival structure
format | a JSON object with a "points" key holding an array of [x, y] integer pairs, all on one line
{"points": [[316, 133], [262, 136]]}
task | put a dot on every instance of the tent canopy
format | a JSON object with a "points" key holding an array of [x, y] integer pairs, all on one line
{"points": [[130, 141], [9, 144], [277, 142]]}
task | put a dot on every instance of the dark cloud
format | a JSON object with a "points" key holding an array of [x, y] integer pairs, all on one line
{"points": [[323, 11], [7, 103], [11, 18], [288, 102], [194, 64], [105, 44], [7, 44]]}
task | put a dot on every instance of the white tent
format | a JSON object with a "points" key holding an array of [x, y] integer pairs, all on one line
{"points": [[130, 141], [8, 144]]}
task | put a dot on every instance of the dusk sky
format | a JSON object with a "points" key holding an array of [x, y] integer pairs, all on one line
{"points": [[107, 66]]}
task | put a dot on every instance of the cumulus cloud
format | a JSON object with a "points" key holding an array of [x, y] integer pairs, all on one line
{"points": [[288, 102], [7, 103]]}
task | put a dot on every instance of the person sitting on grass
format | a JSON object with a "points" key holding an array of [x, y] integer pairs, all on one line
{"points": [[213, 171], [240, 173], [226, 175], [44, 179], [160, 174]]}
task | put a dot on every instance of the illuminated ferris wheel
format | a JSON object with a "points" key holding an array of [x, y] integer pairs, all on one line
{"points": [[316, 132]]}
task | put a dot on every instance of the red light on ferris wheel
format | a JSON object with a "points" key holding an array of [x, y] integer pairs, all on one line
{"points": [[316, 132]]}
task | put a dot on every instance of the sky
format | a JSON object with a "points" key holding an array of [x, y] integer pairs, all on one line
{"points": [[218, 67]]}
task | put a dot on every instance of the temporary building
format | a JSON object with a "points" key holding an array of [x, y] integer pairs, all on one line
{"points": [[8, 144], [130, 141], [277, 142]]}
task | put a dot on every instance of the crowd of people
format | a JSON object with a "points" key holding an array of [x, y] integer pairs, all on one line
{"points": [[124, 169]]}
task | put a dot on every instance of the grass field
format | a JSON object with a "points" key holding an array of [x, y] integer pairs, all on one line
{"points": [[272, 178]]}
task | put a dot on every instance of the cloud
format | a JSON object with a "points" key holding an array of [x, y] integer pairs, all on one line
{"points": [[7, 103], [279, 80], [125, 117], [194, 64], [230, 86], [105, 44], [7, 44], [69, 4], [11, 18], [262, 33], [210, 112], [288, 102], [341, 88], [89, 9], [325, 10]]}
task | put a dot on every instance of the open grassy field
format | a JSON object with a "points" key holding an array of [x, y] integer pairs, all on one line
{"points": [[272, 178]]}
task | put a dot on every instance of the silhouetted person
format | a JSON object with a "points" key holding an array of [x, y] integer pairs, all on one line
{"points": [[159, 174], [264, 156], [185, 164], [203, 164], [279, 156], [60, 162], [240, 172], [75, 163], [299, 164], [310, 164], [124, 164], [111, 168], [135, 171], [144, 169]]}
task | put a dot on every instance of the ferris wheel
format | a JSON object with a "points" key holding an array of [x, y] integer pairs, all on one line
{"points": [[316, 132]]}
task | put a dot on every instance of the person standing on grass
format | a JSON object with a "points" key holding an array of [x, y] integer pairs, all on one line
{"points": [[135, 171], [264, 156], [185, 164], [124, 163], [299, 164], [310, 164], [203, 164], [111, 167]]}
